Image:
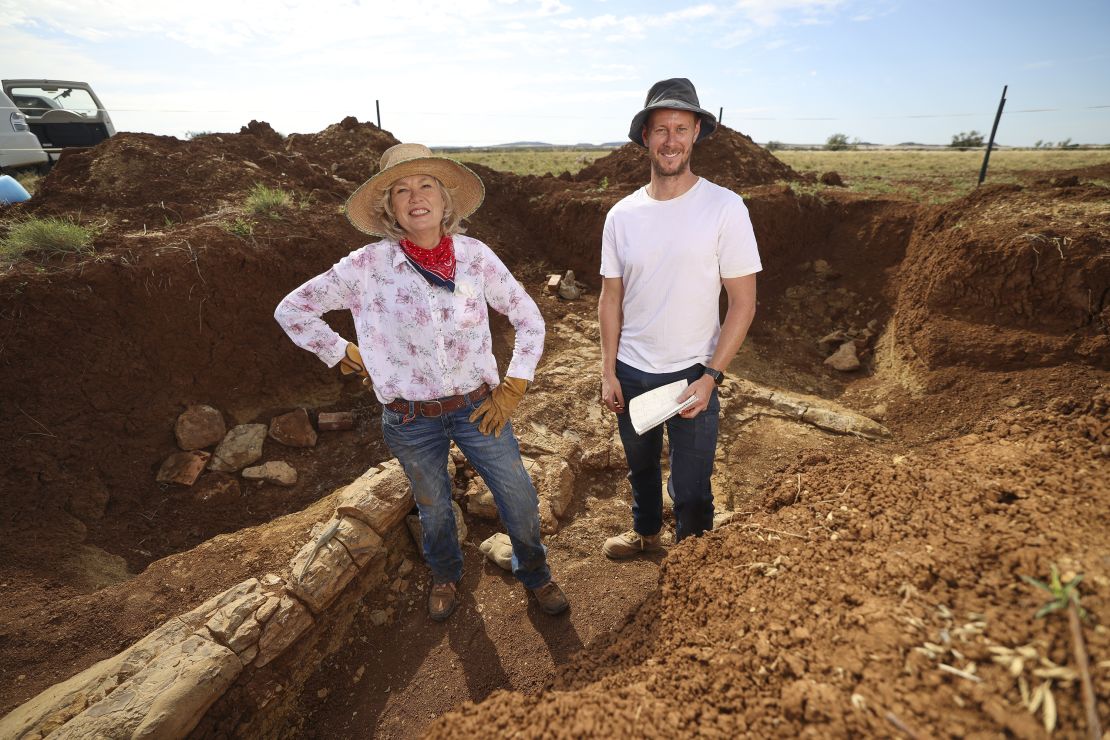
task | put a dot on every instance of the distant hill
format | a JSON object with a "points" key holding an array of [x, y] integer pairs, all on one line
{"points": [[526, 145]]}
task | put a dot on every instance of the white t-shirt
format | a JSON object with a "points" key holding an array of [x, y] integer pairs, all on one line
{"points": [[671, 256]]}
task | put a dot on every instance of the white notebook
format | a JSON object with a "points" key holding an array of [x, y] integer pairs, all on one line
{"points": [[651, 409]]}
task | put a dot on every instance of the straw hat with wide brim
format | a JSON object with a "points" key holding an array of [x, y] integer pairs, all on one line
{"points": [[404, 160]]}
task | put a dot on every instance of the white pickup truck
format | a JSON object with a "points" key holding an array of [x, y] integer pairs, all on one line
{"points": [[42, 118]]}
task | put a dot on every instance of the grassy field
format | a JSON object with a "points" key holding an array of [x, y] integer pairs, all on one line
{"points": [[932, 176], [530, 161], [929, 176], [935, 175]]}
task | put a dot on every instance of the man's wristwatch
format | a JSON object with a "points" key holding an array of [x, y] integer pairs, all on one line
{"points": [[717, 375]]}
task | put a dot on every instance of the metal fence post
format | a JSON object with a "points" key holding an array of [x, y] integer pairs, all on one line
{"points": [[990, 143]]}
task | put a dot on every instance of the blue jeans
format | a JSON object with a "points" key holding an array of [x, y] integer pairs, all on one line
{"points": [[421, 445], [693, 445]]}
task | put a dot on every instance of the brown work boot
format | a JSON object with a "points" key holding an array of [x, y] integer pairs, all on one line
{"points": [[630, 544], [441, 601], [551, 598]]}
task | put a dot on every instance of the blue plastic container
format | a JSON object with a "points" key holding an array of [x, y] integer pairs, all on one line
{"points": [[11, 191]]}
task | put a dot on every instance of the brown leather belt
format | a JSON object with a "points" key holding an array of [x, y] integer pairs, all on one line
{"points": [[439, 406]]}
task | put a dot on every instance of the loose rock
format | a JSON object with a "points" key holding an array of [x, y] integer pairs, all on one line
{"points": [[183, 467], [569, 288], [499, 550], [275, 471], [845, 358], [335, 421], [479, 500], [241, 447], [199, 426], [293, 429]]}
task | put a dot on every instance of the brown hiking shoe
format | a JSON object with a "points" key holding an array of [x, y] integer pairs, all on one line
{"points": [[630, 544], [441, 601], [551, 598]]}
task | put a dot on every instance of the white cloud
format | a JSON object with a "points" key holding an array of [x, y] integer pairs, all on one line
{"points": [[553, 7], [769, 13], [636, 26]]}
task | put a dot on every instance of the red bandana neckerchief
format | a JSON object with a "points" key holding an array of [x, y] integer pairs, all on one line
{"points": [[437, 264]]}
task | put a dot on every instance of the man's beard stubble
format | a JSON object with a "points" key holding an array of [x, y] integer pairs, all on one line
{"points": [[658, 171]]}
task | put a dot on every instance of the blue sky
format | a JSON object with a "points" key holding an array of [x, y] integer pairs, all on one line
{"points": [[455, 72]]}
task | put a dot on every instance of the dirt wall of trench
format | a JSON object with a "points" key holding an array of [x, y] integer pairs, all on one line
{"points": [[1009, 277]]}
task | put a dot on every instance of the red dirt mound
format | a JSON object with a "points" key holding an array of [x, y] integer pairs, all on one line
{"points": [[347, 149], [142, 180], [728, 158], [1010, 277], [843, 607]]}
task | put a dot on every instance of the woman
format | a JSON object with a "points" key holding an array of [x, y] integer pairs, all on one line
{"points": [[419, 300]]}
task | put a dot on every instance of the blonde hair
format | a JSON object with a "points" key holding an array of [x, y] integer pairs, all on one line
{"points": [[383, 212]]}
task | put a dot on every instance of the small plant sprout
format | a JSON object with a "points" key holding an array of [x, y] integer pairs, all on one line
{"points": [[240, 227], [1062, 593], [1065, 597]]}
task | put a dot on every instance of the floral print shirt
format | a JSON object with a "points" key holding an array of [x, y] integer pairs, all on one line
{"points": [[419, 342]]}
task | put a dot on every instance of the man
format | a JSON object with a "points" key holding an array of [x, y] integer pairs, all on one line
{"points": [[666, 252]]}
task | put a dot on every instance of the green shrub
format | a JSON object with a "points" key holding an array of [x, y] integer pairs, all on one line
{"points": [[967, 140], [264, 200], [837, 142], [49, 236]]}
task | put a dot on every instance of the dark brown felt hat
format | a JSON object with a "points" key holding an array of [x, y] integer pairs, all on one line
{"points": [[677, 93]]}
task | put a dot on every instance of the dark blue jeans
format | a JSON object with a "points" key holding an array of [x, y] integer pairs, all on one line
{"points": [[693, 443], [421, 445]]}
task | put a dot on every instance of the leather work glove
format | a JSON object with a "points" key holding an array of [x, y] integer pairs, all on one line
{"points": [[352, 362], [497, 409]]}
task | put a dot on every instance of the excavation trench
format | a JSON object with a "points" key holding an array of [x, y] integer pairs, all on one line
{"points": [[102, 355], [184, 324]]}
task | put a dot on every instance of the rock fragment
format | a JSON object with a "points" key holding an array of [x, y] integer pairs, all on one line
{"points": [[241, 447], [569, 288], [183, 467], [335, 421], [499, 550], [199, 426], [293, 429], [275, 471], [479, 500], [844, 359]]}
